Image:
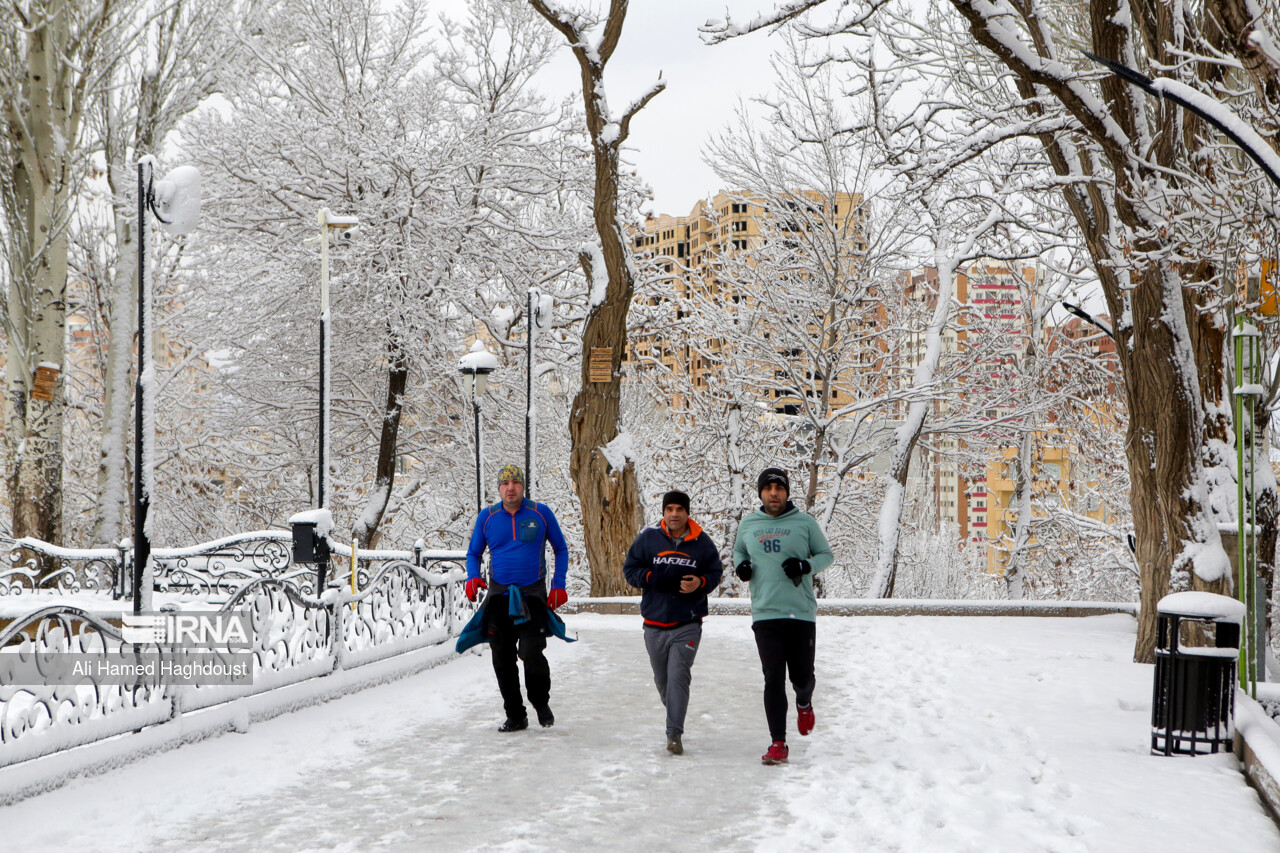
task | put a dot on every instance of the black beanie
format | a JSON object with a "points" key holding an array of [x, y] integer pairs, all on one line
{"points": [[675, 497], [773, 475]]}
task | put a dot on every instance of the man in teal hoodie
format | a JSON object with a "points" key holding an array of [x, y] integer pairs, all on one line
{"points": [[778, 550]]}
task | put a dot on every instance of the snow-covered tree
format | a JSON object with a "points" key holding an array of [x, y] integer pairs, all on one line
{"points": [[773, 347], [602, 466], [55, 55], [1145, 184], [445, 157]]}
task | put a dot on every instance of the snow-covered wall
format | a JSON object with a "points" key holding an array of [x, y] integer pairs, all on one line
{"points": [[1257, 744]]}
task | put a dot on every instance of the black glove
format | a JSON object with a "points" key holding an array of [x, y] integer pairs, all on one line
{"points": [[664, 581], [743, 571], [796, 568]]}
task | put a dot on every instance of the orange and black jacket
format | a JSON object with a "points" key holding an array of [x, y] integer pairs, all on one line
{"points": [[656, 563]]}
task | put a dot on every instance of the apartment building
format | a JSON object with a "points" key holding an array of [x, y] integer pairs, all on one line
{"points": [[689, 250], [989, 326], [974, 477]]}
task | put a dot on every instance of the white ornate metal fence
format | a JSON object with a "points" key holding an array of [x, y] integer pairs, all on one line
{"points": [[401, 601]]}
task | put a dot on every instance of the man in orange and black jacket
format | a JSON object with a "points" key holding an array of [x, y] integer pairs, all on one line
{"points": [[675, 564]]}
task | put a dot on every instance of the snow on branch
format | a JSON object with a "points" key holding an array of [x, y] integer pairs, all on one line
{"points": [[612, 30], [575, 26], [992, 24], [1261, 40], [624, 126], [716, 31], [1210, 109]]}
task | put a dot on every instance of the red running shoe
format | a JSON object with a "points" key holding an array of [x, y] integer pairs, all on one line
{"points": [[804, 719], [777, 753]]}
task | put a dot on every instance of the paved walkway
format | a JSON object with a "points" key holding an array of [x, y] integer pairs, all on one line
{"points": [[947, 734]]}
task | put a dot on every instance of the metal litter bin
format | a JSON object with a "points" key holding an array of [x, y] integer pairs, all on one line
{"points": [[1193, 698]]}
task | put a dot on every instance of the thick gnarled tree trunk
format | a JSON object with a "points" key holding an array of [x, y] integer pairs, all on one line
{"points": [[1169, 338], [609, 496]]}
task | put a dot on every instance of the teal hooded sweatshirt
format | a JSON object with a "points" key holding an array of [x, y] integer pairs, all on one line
{"points": [[766, 541]]}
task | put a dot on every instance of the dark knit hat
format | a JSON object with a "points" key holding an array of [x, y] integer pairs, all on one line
{"points": [[773, 475], [675, 497]]}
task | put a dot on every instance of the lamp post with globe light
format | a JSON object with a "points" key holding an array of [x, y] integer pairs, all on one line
{"points": [[475, 368], [174, 200]]}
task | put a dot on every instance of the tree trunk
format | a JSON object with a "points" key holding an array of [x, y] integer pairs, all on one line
{"points": [[33, 427], [946, 257], [609, 496], [55, 44], [113, 505], [366, 527], [117, 401], [40, 180], [1169, 431], [1267, 504], [1022, 493]]}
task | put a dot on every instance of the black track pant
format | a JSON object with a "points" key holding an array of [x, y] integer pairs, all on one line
{"points": [[786, 648], [526, 641]]}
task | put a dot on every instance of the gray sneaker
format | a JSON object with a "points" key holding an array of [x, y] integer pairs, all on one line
{"points": [[674, 746]]}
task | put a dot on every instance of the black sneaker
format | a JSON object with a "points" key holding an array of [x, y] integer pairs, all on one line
{"points": [[545, 717], [510, 725]]}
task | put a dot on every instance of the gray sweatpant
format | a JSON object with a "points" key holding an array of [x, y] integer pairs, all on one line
{"points": [[671, 654]]}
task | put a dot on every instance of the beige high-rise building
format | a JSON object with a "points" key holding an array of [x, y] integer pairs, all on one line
{"points": [[989, 319], [686, 249], [972, 479]]}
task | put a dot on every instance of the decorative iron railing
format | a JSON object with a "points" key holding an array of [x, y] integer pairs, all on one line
{"points": [[30, 565], [224, 566], [38, 720], [400, 608], [214, 570]]}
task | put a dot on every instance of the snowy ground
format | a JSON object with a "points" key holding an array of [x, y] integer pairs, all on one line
{"points": [[934, 734]]}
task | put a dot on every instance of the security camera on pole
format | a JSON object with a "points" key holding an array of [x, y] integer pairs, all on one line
{"points": [[343, 225], [175, 202]]}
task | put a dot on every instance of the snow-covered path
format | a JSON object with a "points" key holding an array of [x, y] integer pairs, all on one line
{"points": [[934, 734]]}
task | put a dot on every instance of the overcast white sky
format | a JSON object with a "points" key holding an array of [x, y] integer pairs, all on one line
{"points": [[704, 85]]}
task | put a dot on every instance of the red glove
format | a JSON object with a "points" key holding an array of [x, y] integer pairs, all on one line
{"points": [[474, 585], [557, 598]]}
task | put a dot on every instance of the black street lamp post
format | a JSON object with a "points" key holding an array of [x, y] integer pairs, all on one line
{"points": [[475, 368], [534, 319], [175, 203], [343, 224]]}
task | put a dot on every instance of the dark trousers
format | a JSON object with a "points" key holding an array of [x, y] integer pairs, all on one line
{"points": [[507, 641], [786, 647]]}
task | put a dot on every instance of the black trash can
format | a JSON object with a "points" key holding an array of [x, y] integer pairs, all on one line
{"points": [[1193, 698]]}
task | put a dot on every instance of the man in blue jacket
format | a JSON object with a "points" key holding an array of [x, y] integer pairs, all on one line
{"points": [[514, 615], [675, 564]]}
